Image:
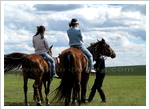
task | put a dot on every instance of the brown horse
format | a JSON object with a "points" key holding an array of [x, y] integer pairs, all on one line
{"points": [[72, 68], [34, 67]]}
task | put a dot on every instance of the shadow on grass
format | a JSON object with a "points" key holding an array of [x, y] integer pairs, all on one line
{"points": [[43, 104], [14, 104], [32, 104]]}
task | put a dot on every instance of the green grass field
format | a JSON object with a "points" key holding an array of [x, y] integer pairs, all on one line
{"points": [[123, 86]]}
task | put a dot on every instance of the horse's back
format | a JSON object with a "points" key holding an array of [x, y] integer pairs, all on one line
{"points": [[75, 52], [79, 59], [35, 65], [15, 55]]}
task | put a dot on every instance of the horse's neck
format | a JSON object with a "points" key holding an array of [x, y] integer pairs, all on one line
{"points": [[89, 48]]}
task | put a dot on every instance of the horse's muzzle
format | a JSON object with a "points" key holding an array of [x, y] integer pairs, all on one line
{"points": [[113, 55]]}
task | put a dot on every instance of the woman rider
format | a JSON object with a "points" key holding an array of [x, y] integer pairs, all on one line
{"points": [[76, 41], [41, 47]]}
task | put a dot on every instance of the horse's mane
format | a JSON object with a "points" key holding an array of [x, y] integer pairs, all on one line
{"points": [[93, 44], [98, 42]]}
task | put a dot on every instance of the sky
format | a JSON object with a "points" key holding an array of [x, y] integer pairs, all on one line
{"points": [[123, 26]]}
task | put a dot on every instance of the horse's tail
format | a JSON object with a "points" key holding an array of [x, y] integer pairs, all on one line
{"points": [[13, 61], [65, 88]]}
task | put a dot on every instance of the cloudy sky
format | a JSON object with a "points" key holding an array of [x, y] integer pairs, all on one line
{"points": [[123, 26]]}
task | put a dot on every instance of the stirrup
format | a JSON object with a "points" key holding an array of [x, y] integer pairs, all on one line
{"points": [[92, 70], [55, 76]]}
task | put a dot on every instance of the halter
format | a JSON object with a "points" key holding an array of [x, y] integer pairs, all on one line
{"points": [[105, 50], [101, 61]]}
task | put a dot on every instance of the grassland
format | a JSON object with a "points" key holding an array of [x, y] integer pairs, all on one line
{"points": [[123, 86]]}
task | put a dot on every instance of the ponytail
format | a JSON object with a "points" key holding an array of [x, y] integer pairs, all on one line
{"points": [[40, 30]]}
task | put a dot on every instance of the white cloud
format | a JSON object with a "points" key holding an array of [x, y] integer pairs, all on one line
{"points": [[57, 50], [123, 29], [16, 36], [21, 47]]}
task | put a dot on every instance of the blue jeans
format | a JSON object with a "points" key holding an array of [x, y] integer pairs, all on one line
{"points": [[51, 60], [86, 52]]}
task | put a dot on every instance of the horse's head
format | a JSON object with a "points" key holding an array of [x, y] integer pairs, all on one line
{"points": [[101, 48], [50, 50]]}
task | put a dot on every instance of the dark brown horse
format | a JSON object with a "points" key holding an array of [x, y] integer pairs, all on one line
{"points": [[34, 67], [72, 68]]}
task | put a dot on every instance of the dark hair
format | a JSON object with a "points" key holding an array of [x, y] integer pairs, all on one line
{"points": [[73, 22], [40, 30]]}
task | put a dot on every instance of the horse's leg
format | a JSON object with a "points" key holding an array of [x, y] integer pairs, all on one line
{"points": [[78, 87], [83, 93], [78, 93], [44, 82], [47, 90], [34, 94], [84, 82], [74, 96], [37, 84], [40, 91], [25, 89], [67, 99]]}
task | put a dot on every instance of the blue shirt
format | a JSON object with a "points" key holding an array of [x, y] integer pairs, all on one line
{"points": [[75, 36]]}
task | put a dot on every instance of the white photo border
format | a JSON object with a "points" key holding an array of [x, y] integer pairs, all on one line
{"points": [[75, 107]]}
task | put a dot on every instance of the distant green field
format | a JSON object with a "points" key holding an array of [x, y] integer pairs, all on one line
{"points": [[126, 70], [123, 86]]}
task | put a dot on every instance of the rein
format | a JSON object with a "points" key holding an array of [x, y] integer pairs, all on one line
{"points": [[104, 50], [101, 61]]}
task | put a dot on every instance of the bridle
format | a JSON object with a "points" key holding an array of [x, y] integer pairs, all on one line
{"points": [[107, 51], [93, 49], [101, 61]]}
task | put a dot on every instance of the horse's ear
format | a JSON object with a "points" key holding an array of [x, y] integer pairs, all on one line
{"points": [[97, 40], [59, 55], [103, 40], [51, 46]]}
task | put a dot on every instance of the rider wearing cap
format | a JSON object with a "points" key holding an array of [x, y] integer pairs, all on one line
{"points": [[76, 41]]}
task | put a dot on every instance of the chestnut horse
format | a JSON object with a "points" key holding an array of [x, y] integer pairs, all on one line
{"points": [[34, 67], [72, 69]]}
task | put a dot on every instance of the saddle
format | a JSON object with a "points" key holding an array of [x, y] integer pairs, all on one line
{"points": [[78, 47], [49, 64]]}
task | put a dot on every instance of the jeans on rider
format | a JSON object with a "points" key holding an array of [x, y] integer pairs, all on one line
{"points": [[51, 60], [88, 54]]}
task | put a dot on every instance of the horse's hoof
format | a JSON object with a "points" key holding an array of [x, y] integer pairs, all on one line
{"points": [[47, 103], [35, 99], [84, 101], [79, 103], [39, 104], [67, 104], [74, 102]]}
